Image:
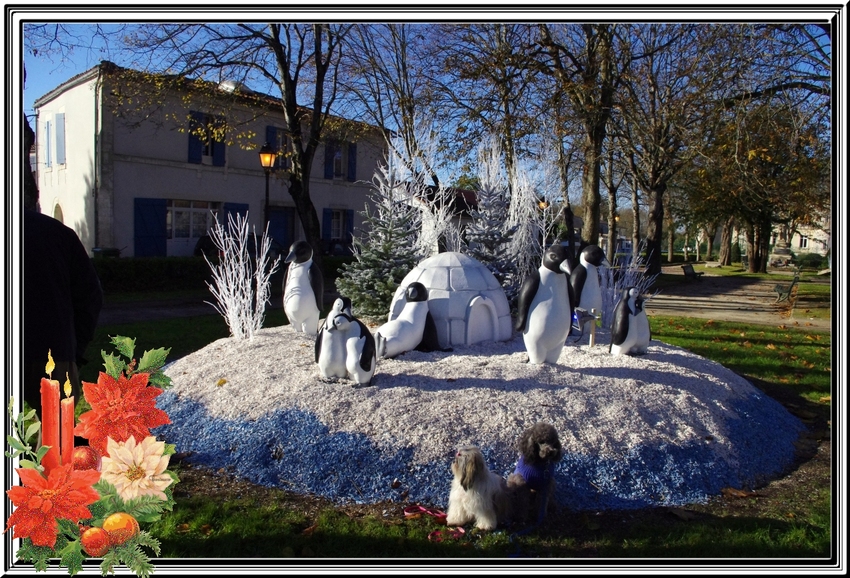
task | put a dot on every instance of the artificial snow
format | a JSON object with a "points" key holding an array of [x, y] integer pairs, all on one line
{"points": [[666, 428]]}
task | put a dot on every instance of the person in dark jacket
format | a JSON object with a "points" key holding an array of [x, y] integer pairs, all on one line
{"points": [[62, 298]]}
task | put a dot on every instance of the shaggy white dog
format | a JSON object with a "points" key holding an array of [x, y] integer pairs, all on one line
{"points": [[477, 494]]}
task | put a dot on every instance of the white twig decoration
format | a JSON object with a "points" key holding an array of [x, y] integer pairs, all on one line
{"points": [[240, 285]]}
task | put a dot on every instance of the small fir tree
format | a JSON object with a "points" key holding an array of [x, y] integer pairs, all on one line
{"points": [[386, 249], [488, 236]]}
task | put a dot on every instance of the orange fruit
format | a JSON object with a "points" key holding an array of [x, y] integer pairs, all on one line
{"points": [[95, 542], [120, 527]]}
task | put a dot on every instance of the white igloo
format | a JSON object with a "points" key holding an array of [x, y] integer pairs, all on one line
{"points": [[465, 299]]}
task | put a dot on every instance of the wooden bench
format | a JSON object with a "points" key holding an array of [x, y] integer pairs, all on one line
{"points": [[784, 290], [690, 273]]}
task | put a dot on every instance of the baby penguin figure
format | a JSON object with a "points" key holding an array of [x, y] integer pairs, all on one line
{"points": [[533, 481]]}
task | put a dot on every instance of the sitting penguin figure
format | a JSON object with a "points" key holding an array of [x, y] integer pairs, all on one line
{"points": [[584, 281], [630, 333], [414, 328], [544, 308], [330, 350], [303, 289]]}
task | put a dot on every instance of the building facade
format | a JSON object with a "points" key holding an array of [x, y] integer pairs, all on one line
{"points": [[143, 183]]}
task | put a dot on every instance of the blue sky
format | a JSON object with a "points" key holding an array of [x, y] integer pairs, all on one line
{"points": [[44, 75]]}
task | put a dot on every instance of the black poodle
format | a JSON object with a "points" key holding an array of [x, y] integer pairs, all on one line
{"points": [[533, 482]]}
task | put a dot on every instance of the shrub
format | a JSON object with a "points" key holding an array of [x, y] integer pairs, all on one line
{"points": [[152, 273], [810, 261]]}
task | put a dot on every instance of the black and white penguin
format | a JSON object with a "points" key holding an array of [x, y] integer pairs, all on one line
{"points": [[630, 327], [360, 353], [330, 350], [544, 307], [303, 289], [584, 281], [408, 331]]}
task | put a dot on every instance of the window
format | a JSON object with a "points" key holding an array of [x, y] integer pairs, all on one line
{"points": [[804, 242], [340, 160], [203, 148], [60, 138], [336, 225], [189, 219], [278, 139]]}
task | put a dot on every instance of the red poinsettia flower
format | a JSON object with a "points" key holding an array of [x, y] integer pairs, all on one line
{"points": [[40, 502], [120, 408]]}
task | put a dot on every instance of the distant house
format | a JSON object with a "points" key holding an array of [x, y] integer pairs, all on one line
{"points": [[149, 186]]}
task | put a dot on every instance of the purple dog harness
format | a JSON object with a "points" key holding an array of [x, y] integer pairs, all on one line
{"points": [[536, 477]]}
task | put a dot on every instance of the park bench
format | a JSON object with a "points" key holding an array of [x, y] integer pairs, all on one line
{"points": [[783, 290], [690, 273]]}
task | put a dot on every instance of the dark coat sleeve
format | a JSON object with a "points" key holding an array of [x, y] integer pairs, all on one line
{"points": [[87, 294]]}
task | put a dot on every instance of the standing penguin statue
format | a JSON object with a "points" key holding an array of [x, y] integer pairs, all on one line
{"points": [[630, 332], [330, 350], [345, 348], [360, 352], [584, 281], [544, 308], [414, 328], [303, 289]]}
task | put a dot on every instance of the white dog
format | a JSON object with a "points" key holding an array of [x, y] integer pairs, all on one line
{"points": [[477, 494]]}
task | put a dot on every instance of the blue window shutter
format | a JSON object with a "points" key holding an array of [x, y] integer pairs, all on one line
{"points": [[352, 162], [196, 147], [60, 138], [327, 219], [234, 209], [149, 227], [48, 160], [330, 149], [219, 156]]}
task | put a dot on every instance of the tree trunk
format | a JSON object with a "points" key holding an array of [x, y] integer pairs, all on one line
{"points": [[764, 244], [725, 257], [636, 224], [671, 230], [752, 254], [710, 232], [590, 197], [307, 215], [697, 244], [654, 228], [611, 248]]}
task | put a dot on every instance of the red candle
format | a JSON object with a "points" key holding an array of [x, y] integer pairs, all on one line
{"points": [[67, 430], [50, 423]]}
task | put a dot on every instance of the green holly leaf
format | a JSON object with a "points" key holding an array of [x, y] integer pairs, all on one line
{"points": [[113, 364], [153, 360], [170, 450], [71, 557], [125, 345], [160, 380]]}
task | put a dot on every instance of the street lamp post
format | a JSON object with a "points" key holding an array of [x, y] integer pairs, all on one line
{"points": [[267, 157]]}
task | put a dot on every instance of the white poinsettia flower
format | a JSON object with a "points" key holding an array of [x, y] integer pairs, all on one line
{"points": [[136, 469]]}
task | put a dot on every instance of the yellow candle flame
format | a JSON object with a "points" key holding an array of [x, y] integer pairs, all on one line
{"points": [[48, 369], [67, 385]]}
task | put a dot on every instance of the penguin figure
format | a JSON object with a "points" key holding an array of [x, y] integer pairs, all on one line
{"points": [[406, 332], [360, 353], [584, 281], [330, 350], [544, 307], [303, 289], [630, 328], [643, 332]]}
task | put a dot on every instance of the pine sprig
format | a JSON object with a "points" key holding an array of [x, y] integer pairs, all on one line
{"points": [[71, 557], [38, 556], [131, 555], [144, 508]]}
